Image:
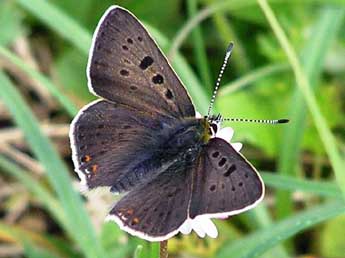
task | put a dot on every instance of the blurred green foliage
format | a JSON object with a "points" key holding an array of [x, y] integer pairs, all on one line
{"points": [[260, 82]]}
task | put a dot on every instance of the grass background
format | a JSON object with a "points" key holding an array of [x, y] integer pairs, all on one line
{"points": [[288, 61]]}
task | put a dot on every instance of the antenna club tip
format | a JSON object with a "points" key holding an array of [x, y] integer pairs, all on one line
{"points": [[229, 49], [283, 121]]}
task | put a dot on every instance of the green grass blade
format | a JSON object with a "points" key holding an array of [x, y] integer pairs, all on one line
{"points": [[57, 172], [323, 34], [200, 50], [289, 183], [252, 77], [18, 235], [53, 89], [41, 194], [305, 88], [227, 33], [143, 249], [226, 6], [58, 21], [138, 251], [263, 240], [154, 250], [261, 215], [32, 251]]}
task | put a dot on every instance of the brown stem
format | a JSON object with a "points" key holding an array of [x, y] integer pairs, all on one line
{"points": [[163, 250], [15, 135]]}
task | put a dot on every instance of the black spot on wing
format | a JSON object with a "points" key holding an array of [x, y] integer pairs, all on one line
{"points": [[213, 188], [222, 162], [158, 79], [230, 170], [169, 94], [146, 62], [124, 72], [215, 154]]}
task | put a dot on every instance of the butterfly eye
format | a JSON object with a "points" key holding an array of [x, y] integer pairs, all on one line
{"points": [[214, 128]]}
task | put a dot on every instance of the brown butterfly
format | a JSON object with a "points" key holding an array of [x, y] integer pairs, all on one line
{"points": [[143, 138]]}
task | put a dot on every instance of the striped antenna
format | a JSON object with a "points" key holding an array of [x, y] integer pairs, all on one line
{"points": [[227, 56], [261, 121]]}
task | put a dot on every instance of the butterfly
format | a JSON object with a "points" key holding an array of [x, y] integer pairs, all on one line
{"points": [[143, 138]]}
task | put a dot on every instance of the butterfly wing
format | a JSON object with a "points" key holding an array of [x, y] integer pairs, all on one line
{"points": [[224, 182], [126, 66], [155, 211], [107, 138]]}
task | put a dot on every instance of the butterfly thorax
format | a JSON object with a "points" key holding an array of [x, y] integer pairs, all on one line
{"points": [[185, 134], [177, 145], [143, 137]]}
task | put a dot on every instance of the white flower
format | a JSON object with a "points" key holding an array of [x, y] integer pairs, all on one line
{"points": [[202, 224], [226, 134]]}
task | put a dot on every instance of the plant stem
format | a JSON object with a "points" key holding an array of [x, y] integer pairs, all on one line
{"points": [[163, 252]]}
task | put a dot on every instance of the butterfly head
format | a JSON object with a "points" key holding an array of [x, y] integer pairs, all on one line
{"points": [[211, 126], [214, 124]]}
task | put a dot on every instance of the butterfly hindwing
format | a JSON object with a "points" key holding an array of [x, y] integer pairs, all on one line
{"points": [[106, 139], [156, 210], [126, 66], [224, 182], [143, 137]]}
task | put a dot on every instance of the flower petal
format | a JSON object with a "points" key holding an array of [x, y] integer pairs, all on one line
{"points": [[197, 227], [223, 217], [225, 133], [186, 227], [197, 114], [237, 146], [209, 227]]}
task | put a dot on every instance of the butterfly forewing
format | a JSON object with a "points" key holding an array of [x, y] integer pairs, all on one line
{"points": [[142, 138], [224, 182], [126, 66], [107, 139], [156, 210]]}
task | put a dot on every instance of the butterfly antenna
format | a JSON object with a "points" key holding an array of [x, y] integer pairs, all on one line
{"points": [[260, 121], [227, 56]]}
